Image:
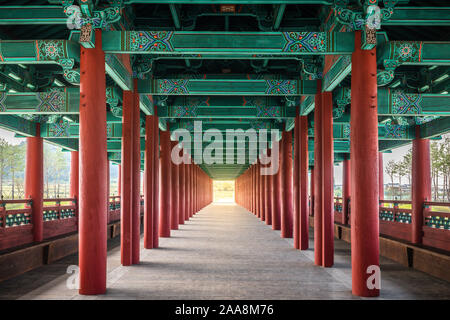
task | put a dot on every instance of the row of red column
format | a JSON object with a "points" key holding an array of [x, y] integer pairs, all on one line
{"points": [[270, 197], [362, 179], [184, 190]]}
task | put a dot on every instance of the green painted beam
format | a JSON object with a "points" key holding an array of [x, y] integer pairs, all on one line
{"points": [[398, 103], [66, 144], [226, 101], [18, 125], [340, 69], [394, 53], [435, 128], [226, 112], [206, 43], [63, 129], [22, 15], [227, 87], [307, 106], [117, 71], [58, 100], [62, 52], [419, 16], [385, 132]]}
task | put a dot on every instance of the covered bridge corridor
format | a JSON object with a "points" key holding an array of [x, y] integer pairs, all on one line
{"points": [[224, 252], [270, 94]]}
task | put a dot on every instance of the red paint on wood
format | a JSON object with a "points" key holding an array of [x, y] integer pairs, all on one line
{"points": [[34, 182], [287, 188], [93, 158], [364, 168], [127, 179], [136, 176], [318, 177], [327, 181], [421, 183], [165, 185]]}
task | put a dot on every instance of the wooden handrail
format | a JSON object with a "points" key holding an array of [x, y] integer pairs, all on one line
{"points": [[396, 201], [15, 201], [59, 200], [434, 203]]}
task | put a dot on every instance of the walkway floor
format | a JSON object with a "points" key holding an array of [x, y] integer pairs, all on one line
{"points": [[225, 252]]}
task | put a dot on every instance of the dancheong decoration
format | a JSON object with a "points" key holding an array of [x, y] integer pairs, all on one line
{"points": [[59, 129], [406, 103], [407, 51], [305, 41], [51, 101], [394, 131], [151, 41], [171, 86], [280, 87]]}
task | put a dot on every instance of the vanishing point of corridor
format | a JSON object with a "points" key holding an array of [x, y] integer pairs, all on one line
{"points": [[225, 252]]}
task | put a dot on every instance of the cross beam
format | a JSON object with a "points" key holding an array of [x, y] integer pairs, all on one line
{"points": [[206, 43]]}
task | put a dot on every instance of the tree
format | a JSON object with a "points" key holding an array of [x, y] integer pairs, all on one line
{"points": [[407, 164], [391, 170], [4, 145], [399, 172], [434, 154], [16, 163]]}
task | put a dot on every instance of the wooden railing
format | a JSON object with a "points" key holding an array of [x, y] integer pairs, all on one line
{"points": [[395, 221], [396, 217], [60, 217], [436, 225], [16, 224], [114, 209]]}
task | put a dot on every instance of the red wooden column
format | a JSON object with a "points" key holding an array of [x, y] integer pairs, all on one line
{"points": [[287, 188], [148, 183], [258, 190], [187, 192], [364, 174], [175, 186], [421, 183], [34, 182], [303, 238], [346, 188], [296, 180], [311, 192], [192, 186], [277, 204], [381, 175], [136, 189], [126, 201], [74, 175], [155, 177], [165, 194], [262, 193], [251, 182], [93, 158], [119, 181], [268, 195], [318, 177], [181, 192], [108, 188], [327, 181]]}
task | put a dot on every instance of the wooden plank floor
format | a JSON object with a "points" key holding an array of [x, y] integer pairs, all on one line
{"points": [[225, 252]]}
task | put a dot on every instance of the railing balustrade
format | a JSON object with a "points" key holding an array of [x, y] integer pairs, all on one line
{"points": [[436, 225], [396, 217]]}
